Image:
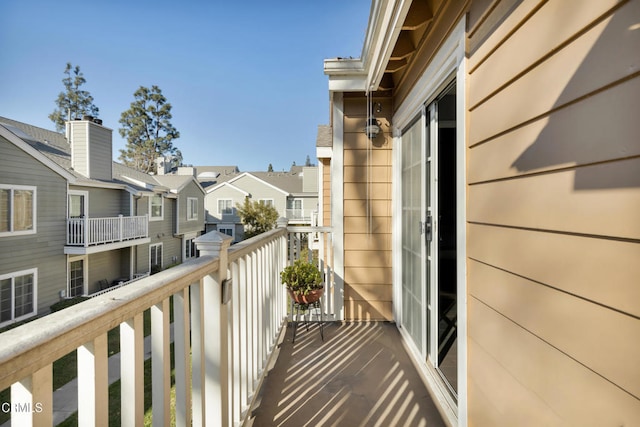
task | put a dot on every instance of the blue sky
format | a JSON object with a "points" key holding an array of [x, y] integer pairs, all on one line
{"points": [[245, 78]]}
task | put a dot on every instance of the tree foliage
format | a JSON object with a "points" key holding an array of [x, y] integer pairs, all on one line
{"points": [[257, 217], [148, 130], [72, 101]]}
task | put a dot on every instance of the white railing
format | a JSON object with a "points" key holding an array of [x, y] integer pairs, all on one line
{"points": [[319, 244], [229, 310], [95, 231], [119, 285], [299, 215]]}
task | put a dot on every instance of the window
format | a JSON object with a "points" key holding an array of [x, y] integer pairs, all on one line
{"points": [[266, 202], [77, 204], [17, 209], [229, 230], [155, 207], [17, 296], [190, 248], [155, 257], [76, 278], [192, 208], [225, 207]]}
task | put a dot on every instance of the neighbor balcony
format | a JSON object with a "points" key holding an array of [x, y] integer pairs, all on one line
{"points": [[222, 319], [90, 235]]}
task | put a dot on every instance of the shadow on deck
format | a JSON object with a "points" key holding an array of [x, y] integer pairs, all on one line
{"points": [[360, 376]]}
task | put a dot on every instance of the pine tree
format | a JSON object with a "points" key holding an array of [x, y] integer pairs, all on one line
{"points": [[149, 133], [73, 102]]}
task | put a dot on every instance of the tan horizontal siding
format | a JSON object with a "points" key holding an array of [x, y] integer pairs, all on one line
{"points": [[526, 382], [565, 138], [594, 60], [371, 275], [601, 199], [600, 270], [516, 53], [366, 207], [560, 320], [553, 229]]}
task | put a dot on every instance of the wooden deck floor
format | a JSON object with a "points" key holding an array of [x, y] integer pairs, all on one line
{"points": [[359, 376]]}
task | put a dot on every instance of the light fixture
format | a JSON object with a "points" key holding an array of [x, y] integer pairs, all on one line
{"points": [[372, 129]]}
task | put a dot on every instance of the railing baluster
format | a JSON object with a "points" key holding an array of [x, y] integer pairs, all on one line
{"points": [[244, 333], [160, 363], [197, 356], [32, 399], [93, 382], [236, 388], [132, 371], [181, 334]]}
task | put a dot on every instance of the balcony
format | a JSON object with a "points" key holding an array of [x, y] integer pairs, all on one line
{"points": [[300, 216], [227, 312], [90, 235]]}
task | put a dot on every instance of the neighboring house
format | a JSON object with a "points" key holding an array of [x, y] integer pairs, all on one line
{"points": [[495, 216], [293, 194], [94, 223]]}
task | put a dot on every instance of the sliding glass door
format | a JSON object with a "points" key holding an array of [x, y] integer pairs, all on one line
{"points": [[429, 234]]}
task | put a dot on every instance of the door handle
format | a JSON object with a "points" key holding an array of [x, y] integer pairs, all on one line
{"points": [[428, 228]]}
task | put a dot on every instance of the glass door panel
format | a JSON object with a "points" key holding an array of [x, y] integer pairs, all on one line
{"points": [[412, 288]]}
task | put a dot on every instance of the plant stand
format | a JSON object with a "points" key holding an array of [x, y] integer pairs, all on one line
{"points": [[297, 308]]}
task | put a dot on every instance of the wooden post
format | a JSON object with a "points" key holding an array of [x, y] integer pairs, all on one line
{"points": [[215, 330]]}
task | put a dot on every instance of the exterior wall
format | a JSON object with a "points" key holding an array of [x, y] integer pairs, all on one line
{"points": [[553, 200], [367, 241], [211, 204], [42, 250], [260, 190], [106, 265], [185, 226], [104, 202]]}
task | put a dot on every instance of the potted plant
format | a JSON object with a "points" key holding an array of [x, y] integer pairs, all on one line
{"points": [[303, 281]]}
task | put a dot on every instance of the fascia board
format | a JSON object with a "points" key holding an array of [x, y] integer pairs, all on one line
{"points": [[240, 190], [18, 142], [249, 174]]}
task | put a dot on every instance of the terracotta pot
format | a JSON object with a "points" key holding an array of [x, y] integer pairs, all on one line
{"points": [[309, 298]]}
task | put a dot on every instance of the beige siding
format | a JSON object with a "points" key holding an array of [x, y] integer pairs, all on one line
{"points": [[367, 240], [553, 235]]}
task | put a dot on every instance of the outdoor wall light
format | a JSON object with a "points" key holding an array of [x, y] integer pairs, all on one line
{"points": [[372, 129]]}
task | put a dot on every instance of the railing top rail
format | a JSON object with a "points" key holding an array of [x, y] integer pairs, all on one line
{"points": [[308, 229], [246, 246], [31, 346]]}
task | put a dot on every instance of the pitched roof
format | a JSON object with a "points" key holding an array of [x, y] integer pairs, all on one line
{"points": [[55, 146]]}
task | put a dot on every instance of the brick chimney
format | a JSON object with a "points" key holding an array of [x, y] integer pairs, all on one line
{"points": [[91, 148]]}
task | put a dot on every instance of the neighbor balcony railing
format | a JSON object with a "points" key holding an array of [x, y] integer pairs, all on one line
{"points": [[229, 309], [96, 231], [299, 215]]}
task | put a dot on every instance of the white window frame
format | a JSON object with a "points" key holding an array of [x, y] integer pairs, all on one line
{"points": [[85, 207], [12, 276], [231, 227], [34, 210], [230, 207], [267, 202], [161, 255], [189, 249], [85, 274], [151, 216], [192, 208]]}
